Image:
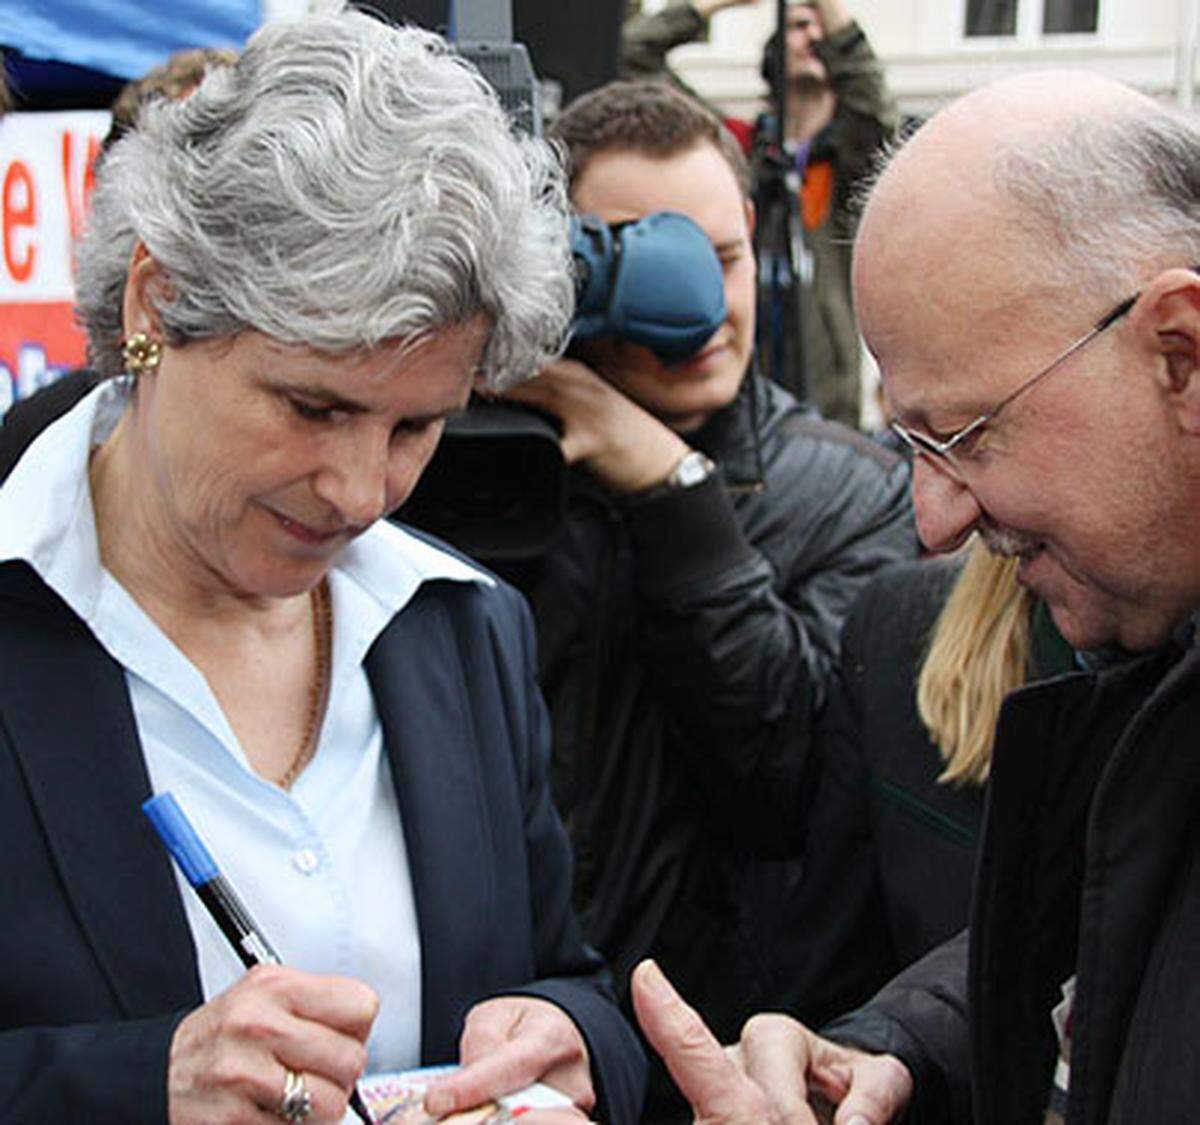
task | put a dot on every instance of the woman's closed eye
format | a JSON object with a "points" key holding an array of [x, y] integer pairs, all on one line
{"points": [[415, 425], [312, 411]]}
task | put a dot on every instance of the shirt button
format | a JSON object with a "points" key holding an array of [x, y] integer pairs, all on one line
{"points": [[306, 861]]}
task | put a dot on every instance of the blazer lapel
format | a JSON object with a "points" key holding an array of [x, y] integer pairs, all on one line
{"points": [[67, 712], [421, 692]]}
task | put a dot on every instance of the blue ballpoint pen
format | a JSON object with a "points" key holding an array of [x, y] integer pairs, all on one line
{"points": [[218, 896]]}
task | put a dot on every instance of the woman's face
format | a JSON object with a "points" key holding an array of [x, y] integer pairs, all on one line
{"points": [[261, 460]]}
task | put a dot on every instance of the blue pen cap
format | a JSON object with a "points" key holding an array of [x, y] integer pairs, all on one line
{"points": [[176, 831]]}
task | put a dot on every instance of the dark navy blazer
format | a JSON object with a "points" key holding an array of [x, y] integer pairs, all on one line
{"points": [[96, 960]]}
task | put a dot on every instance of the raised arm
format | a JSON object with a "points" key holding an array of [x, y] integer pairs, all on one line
{"points": [[647, 37]]}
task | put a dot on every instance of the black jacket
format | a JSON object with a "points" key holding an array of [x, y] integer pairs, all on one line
{"points": [[890, 851], [1090, 865], [685, 644]]}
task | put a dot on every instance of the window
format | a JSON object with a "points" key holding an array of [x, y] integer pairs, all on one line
{"points": [[1065, 16], [1024, 18], [991, 17]]}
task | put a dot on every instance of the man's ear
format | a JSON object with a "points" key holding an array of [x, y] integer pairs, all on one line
{"points": [[1172, 303], [144, 281], [751, 217]]}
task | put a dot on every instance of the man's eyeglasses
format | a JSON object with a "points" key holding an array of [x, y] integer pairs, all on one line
{"points": [[956, 449]]}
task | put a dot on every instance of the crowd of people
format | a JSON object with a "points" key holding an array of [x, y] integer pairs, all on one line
{"points": [[837, 114], [684, 815]]}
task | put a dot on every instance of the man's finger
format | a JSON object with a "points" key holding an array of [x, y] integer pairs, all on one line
{"points": [[879, 1093], [716, 1089], [548, 396], [541, 393], [555, 386], [775, 1054]]}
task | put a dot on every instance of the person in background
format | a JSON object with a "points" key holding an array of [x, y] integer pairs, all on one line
{"points": [[1037, 328], [688, 611], [175, 79], [647, 37], [839, 114], [289, 280], [928, 653]]}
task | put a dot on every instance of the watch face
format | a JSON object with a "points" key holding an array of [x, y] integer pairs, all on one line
{"points": [[691, 470]]}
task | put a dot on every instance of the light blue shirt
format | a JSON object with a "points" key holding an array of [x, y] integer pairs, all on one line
{"points": [[323, 868]]}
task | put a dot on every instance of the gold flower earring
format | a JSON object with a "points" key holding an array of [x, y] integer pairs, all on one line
{"points": [[142, 355]]}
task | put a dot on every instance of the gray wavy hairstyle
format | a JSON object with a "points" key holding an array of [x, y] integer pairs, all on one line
{"points": [[344, 183]]}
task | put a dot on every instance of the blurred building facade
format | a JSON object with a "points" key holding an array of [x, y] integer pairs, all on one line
{"points": [[938, 49]]}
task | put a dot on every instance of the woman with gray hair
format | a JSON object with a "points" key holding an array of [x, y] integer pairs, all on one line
{"points": [[290, 279]]}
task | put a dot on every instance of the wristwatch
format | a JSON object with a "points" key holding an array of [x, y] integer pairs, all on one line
{"points": [[692, 468]]}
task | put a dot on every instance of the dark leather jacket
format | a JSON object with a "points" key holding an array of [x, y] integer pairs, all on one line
{"points": [[1090, 865], [686, 642]]}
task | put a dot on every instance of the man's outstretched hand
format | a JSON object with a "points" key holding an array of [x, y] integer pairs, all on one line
{"points": [[779, 1073]]}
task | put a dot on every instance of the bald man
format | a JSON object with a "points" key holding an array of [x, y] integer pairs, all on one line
{"points": [[1026, 276]]}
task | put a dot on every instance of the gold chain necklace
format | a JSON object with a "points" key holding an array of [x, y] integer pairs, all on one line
{"points": [[323, 641]]}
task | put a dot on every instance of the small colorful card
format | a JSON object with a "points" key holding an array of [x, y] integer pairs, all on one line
{"points": [[396, 1099]]}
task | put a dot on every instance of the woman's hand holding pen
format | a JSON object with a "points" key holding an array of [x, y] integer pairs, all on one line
{"points": [[511, 1042], [229, 1058]]}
